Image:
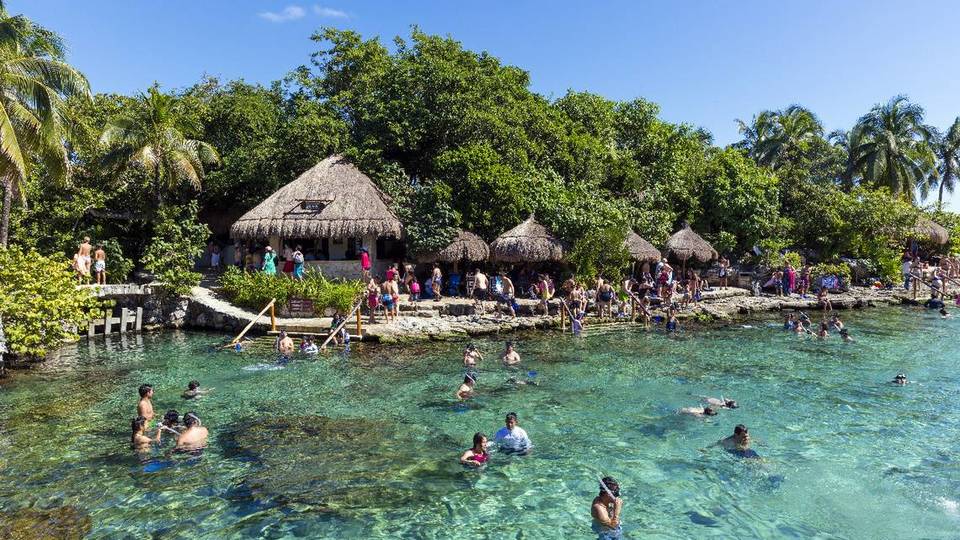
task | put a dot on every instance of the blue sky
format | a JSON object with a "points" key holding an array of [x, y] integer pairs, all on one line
{"points": [[705, 62]]}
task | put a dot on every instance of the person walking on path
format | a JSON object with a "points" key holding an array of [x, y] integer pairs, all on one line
{"points": [[269, 261], [100, 265]]}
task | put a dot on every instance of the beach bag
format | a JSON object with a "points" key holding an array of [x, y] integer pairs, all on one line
{"points": [[415, 287]]}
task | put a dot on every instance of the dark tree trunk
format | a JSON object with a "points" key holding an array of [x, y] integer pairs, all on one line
{"points": [[5, 217]]}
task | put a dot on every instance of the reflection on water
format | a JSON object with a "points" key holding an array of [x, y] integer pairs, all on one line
{"points": [[365, 444]]}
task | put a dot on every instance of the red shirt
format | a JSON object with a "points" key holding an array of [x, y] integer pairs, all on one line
{"points": [[365, 260]]}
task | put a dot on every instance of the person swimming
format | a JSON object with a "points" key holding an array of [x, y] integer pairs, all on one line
{"points": [[738, 443], [193, 390], [605, 511], [512, 438], [845, 335], [471, 355], [478, 455], [510, 356], [900, 380], [721, 403], [138, 434], [824, 330], [307, 346], [466, 389], [698, 411], [145, 405]]}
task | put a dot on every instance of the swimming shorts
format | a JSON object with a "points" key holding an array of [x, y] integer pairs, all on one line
{"points": [[387, 301], [99, 266]]}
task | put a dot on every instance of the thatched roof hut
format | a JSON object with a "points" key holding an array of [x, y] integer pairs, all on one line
{"points": [[331, 200], [686, 244], [527, 242], [639, 249], [465, 247], [927, 229]]}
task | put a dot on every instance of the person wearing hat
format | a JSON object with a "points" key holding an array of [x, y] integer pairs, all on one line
{"points": [[269, 260]]}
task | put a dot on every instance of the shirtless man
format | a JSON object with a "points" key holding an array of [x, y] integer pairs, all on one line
{"points": [[83, 257], [605, 510], [510, 356], [466, 389], [195, 436], [471, 356], [739, 442], [508, 292], [698, 411], [100, 265], [145, 406], [392, 288], [285, 344], [480, 285]]}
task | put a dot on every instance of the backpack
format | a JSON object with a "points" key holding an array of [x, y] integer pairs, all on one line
{"points": [[297, 257]]}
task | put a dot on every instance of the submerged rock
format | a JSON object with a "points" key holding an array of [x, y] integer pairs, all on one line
{"points": [[62, 523]]}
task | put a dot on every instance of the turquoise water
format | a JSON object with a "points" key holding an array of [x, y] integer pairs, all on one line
{"points": [[365, 445]]}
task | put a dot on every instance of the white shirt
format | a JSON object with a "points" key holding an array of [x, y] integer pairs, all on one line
{"points": [[515, 440], [906, 267]]}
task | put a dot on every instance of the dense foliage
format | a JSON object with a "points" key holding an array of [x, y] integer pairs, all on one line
{"points": [[255, 289], [40, 304]]}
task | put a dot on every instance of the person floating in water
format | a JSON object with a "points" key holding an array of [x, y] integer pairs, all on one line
{"points": [[466, 389], [900, 380], [195, 436], [512, 438], [510, 356], [471, 355], [738, 443], [698, 411], [145, 405], [721, 403], [478, 455], [605, 511], [193, 390]]}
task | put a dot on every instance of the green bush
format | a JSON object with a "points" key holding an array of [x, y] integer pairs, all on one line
{"points": [[254, 290], [40, 303], [178, 240]]}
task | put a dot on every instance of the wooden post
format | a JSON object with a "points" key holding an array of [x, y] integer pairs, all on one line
{"points": [[124, 319], [107, 323], [92, 328], [250, 324], [139, 322], [273, 317], [359, 323]]}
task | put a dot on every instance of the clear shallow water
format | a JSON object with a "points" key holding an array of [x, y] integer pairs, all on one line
{"points": [[365, 446]]}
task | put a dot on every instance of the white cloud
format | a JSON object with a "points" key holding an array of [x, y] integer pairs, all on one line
{"points": [[329, 12], [289, 13]]}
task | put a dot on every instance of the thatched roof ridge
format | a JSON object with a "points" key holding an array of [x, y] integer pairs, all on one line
{"points": [[686, 244], [527, 242], [930, 230], [341, 201], [639, 249], [465, 247]]}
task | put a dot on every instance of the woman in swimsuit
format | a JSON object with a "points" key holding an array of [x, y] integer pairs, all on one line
{"points": [[138, 436], [478, 455], [373, 298]]}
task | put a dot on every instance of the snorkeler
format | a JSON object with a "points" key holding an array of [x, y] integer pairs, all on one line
{"points": [[512, 438], [145, 405], [900, 380], [478, 455], [721, 403], [471, 356], [605, 511], [193, 390], [698, 411], [307, 346], [510, 356], [195, 436], [466, 389]]}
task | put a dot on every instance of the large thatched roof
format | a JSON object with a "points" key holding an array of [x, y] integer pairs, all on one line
{"points": [[331, 200], [927, 229], [527, 242], [465, 247], [686, 244], [639, 249]]}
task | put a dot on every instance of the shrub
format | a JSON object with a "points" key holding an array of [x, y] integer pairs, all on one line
{"points": [[254, 290], [178, 240], [40, 303]]}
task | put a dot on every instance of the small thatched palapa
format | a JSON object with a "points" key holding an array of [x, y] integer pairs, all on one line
{"points": [[686, 244], [639, 249], [527, 242], [927, 229], [331, 200], [465, 247]]}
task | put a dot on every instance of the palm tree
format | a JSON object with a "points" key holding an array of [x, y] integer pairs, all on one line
{"points": [[946, 147], [848, 141], [775, 135], [894, 151], [35, 83], [153, 135]]}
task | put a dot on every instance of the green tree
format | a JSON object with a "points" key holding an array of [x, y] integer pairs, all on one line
{"points": [[34, 118], [946, 147], [40, 304], [894, 152], [154, 134], [178, 240], [773, 136]]}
